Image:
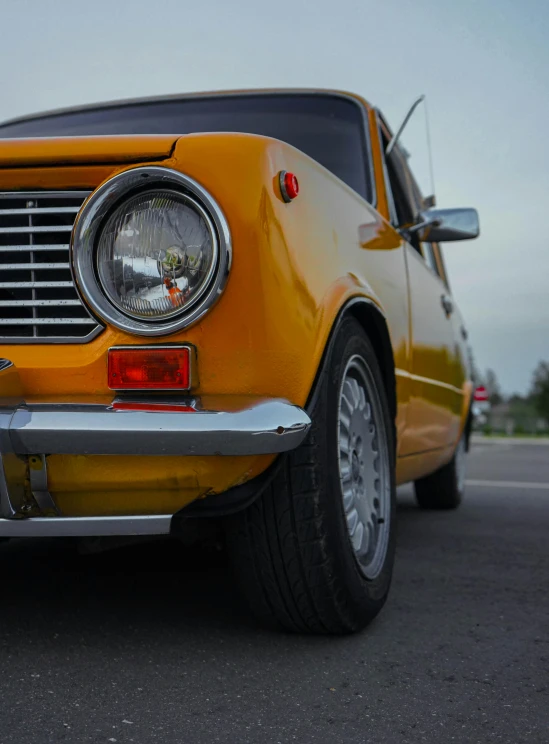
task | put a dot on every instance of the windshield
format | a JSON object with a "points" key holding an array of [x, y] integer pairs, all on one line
{"points": [[328, 128]]}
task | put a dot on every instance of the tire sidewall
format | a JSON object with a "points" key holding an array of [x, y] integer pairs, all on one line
{"points": [[362, 592]]}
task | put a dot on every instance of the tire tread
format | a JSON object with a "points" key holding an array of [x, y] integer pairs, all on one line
{"points": [[279, 546]]}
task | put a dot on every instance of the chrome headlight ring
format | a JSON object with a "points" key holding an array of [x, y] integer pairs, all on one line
{"points": [[92, 219]]}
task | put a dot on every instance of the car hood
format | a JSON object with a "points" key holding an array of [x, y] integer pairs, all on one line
{"points": [[59, 151]]}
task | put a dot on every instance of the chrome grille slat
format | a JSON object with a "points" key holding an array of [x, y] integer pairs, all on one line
{"points": [[34, 229], [45, 210], [38, 300], [47, 321], [65, 195], [35, 248], [39, 303], [18, 267], [34, 285]]}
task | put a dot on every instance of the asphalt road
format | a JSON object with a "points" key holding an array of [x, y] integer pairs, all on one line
{"points": [[151, 643]]}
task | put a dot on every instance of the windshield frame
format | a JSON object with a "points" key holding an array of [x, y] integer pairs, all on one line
{"points": [[269, 93]]}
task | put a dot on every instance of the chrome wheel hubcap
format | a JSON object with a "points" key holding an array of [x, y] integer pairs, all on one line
{"points": [[364, 467]]}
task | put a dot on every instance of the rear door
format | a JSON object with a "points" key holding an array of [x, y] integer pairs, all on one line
{"points": [[437, 370], [461, 369], [436, 395]]}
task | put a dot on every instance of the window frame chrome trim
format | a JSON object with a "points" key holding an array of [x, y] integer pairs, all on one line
{"points": [[94, 212]]}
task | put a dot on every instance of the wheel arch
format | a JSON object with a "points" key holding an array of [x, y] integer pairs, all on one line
{"points": [[374, 324]]}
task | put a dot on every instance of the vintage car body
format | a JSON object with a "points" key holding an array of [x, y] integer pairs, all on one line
{"points": [[73, 465]]}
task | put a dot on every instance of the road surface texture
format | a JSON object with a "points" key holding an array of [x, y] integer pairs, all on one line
{"points": [[151, 643]]}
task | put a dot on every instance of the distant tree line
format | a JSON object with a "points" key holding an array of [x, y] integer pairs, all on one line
{"points": [[535, 402], [539, 392]]}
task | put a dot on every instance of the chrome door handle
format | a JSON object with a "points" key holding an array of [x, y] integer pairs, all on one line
{"points": [[447, 304]]}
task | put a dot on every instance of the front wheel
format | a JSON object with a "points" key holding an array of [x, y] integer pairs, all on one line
{"points": [[315, 552], [444, 489]]}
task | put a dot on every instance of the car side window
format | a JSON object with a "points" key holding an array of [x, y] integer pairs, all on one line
{"points": [[399, 202], [405, 200], [428, 253], [437, 249], [393, 218]]}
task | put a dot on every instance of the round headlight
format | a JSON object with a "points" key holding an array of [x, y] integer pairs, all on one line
{"points": [[151, 251], [156, 255]]}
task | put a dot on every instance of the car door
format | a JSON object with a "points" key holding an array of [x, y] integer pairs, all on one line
{"points": [[461, 366], [437, 369], [435, 395]]}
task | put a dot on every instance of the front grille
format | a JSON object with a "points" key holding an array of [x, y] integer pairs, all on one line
{"points": [[38, 300]]}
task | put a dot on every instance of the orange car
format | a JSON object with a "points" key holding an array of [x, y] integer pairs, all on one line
{"points": [[230, 306]]}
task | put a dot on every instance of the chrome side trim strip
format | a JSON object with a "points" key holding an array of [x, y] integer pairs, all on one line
{"points": [[86, 526], [428, 381]]}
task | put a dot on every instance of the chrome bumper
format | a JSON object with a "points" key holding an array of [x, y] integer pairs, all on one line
{"points": [[256, 427], [208, 426], [86, 526]]}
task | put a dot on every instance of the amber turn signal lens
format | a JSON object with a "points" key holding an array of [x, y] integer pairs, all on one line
{"points": [[163, 368]]}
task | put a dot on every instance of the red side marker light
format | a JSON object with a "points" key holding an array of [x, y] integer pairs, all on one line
{"points": [[149, 368], [289, 186]]}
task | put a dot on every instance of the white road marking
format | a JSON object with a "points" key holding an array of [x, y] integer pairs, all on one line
{"points": [[478, 440], [508, 484]]}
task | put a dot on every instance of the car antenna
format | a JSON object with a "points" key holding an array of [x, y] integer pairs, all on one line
{"points": [[395, 138], [429, 201]]}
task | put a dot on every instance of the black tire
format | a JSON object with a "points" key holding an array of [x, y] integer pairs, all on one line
{"points": [[444, 488], [291, 549]]}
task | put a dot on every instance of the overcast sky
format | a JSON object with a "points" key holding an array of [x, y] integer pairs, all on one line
{"points": [[483, 64]]}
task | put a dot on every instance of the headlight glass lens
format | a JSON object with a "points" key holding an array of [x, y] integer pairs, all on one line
{"points": [[156, 255]]}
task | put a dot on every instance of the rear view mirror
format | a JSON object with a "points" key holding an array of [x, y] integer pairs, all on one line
{"points": [[445, 225]]}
